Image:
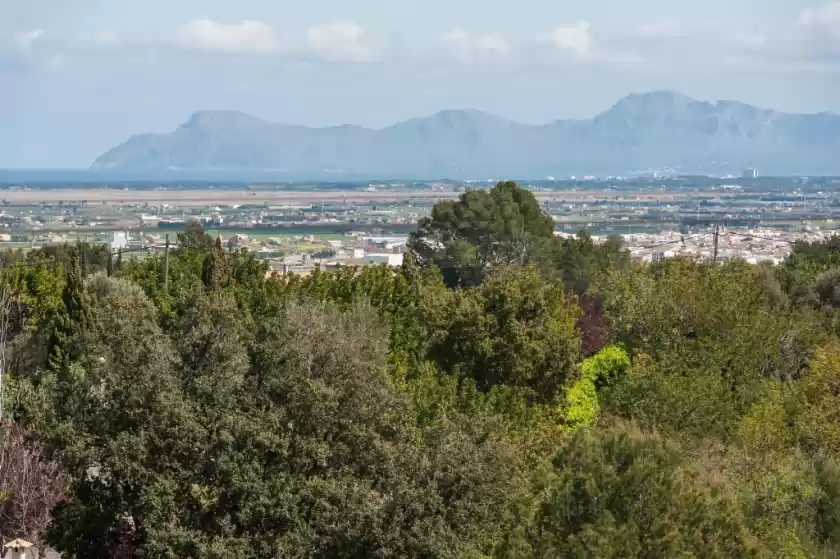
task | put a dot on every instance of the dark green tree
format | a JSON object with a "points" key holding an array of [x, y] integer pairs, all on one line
{"points": [[92, 258], [194, 238], [71, 319], [625, 494], [579, 261], [106, 420], [713, 334], [468, 238], [806, 262], [515, 329], [214, 268], [293, 443]]}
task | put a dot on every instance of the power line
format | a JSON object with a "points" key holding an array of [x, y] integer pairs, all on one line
{"points": [[792, 243], [141, 249], [682, 239], [743, 235]]}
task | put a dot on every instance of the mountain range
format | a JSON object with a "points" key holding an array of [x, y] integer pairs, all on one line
{"points": [[659, 131]]}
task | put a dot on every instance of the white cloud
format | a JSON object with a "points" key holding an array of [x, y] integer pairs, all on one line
{"points": [[576, 38], [822, 23], [25, 39], [664, 28], [468, 48], [56, 62], [751, 40], [107, 37], [460, 43], [339, 41], [810, 46], [817, 40], [827, 15], [247, 36], [495, 44]]}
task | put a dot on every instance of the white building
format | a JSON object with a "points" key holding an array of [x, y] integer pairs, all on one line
{"points": [[394, 260], [750, 174], [120, 240]]}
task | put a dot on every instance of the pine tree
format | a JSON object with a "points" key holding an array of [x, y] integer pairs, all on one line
{"points": [[214, 269], [72, 317]]}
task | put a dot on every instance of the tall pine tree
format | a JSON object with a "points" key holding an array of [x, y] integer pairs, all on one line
{"points": [[71, 318], [214, 269]]}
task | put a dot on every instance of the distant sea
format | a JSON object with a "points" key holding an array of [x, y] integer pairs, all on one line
{"points": [[58, 178], [97, 177]]}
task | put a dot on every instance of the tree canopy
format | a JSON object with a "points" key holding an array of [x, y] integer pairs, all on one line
{"points": [[505, 393], [481, 231]]}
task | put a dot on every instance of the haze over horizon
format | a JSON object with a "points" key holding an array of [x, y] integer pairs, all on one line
{"points": [[78, 78]]}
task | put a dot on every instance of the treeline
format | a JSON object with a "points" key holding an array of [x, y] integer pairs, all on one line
{"points": [[506, 394]]}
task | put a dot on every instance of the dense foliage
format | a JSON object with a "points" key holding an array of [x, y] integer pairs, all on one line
{"points": [[506, 393]]}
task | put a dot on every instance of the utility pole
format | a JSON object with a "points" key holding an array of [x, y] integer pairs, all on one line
{"points": [[717, 236], [166, 265]]}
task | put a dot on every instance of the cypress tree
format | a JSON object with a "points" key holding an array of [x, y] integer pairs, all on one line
{"points": [[72, 318], [214, 270]]}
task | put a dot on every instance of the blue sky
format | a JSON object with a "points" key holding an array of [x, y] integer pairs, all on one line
{"points": [[78, 76]]}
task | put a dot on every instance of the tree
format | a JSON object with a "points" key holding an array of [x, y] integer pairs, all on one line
{"points": [[593, 326], [291, 443], [481, 231], [373, 412], [783, 462], [30, 485], [579, 261], [115, 412], [194, 238], [814, 408], [623, 494], [806, 262], [697, 307], [599, 372], [514, 329], [214, 268], [70, 319], [712, 333], [92, 258]]}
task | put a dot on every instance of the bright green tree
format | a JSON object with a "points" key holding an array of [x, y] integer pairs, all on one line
{"points": [[601, 371]]}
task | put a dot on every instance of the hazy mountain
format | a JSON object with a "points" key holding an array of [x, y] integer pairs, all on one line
{"points": [[654, 131]]}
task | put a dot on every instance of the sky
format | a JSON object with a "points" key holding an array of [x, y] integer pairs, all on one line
{"points": [[80, 76]]}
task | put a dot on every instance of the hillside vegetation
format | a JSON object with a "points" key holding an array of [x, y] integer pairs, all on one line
{"points": [[505, 394]]}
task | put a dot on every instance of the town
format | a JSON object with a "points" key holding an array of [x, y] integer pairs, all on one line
{"points": [[295, 227]]}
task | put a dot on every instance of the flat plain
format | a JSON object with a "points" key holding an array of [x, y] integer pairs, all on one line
{"points": [[213, 196]]}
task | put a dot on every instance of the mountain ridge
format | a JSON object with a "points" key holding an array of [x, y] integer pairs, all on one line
{"points": [[659, 130]]}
